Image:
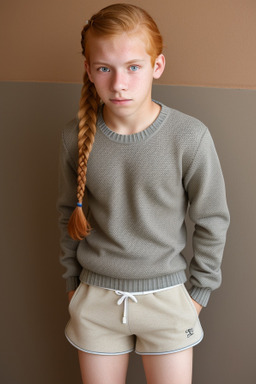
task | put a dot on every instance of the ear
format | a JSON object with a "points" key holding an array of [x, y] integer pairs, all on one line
{"points": [[159, 66], [87, 68]]}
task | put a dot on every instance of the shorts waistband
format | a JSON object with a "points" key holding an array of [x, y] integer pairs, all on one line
{"points": [[125, 296]]}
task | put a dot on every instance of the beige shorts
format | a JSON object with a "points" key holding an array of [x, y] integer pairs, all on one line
{"points": [[107, 322]]}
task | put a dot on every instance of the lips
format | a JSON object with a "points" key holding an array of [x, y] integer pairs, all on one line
{"points": [[120, 101]]}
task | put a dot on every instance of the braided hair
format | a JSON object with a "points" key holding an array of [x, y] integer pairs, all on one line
{"points": [[109, 21]]}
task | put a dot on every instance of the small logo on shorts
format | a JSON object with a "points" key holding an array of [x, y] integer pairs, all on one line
{"points": [[189, 332]]}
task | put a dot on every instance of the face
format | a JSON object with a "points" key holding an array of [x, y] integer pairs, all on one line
{"points": [[122, 73]]}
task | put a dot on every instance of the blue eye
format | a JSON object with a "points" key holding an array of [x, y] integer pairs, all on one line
{"points": [[103, 69], [134, 68]]}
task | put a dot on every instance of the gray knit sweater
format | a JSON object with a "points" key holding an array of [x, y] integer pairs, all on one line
{"points": [[139, 189]]}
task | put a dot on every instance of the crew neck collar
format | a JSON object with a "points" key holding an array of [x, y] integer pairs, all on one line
{"points": [[134, 137]]}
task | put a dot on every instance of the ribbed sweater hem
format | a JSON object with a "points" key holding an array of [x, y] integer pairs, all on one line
{"points": [[200, 295], [72, 283], [133, 285]]}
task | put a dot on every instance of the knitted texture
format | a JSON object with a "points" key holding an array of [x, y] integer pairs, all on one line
{"points": [[139, 188]]}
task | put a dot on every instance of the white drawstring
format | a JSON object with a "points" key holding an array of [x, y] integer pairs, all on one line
{"points": [[125, 296]]}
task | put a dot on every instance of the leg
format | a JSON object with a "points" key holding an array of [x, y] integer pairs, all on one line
{"points": [[98, 369], [173, 368]]}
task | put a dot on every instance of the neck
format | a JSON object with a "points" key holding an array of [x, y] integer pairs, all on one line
{"points": [[134, 123]]}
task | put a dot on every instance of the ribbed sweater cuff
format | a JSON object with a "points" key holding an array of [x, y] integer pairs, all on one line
{"points": [[200, 295], [72, 283]]}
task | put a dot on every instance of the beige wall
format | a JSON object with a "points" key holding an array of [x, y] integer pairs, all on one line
{"points": [[207, 43]]}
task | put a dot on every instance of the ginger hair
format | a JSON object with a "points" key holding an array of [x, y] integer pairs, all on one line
{"points": [[110, 21]]}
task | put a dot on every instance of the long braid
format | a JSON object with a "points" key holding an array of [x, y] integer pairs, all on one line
{"points": [[110, 21], [78, 226]]}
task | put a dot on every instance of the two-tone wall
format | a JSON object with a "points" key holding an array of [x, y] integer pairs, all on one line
{"points": [[210, 74]]}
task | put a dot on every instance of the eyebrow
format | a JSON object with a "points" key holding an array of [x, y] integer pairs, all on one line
{"points": [[127, 63]]}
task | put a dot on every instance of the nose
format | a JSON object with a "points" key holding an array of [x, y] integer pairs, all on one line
{"points": [[119, 81]]}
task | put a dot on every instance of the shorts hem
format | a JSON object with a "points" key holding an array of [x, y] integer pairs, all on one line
{"points": [[172, 351], [98, 353]]}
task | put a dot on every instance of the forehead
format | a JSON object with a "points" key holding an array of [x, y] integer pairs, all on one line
{"points": [[126, 47]]}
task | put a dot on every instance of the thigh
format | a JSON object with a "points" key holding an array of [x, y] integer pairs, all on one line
{"points": [[172, 368], [98, 369]]}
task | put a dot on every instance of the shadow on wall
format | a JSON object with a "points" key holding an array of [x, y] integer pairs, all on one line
{"points": [[34, 304]]}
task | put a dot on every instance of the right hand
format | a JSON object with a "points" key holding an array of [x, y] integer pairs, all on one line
{"points": [[70, 295]]}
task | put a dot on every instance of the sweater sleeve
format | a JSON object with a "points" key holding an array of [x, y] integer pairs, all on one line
{"points": [[208, 211], [65, 204]]}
